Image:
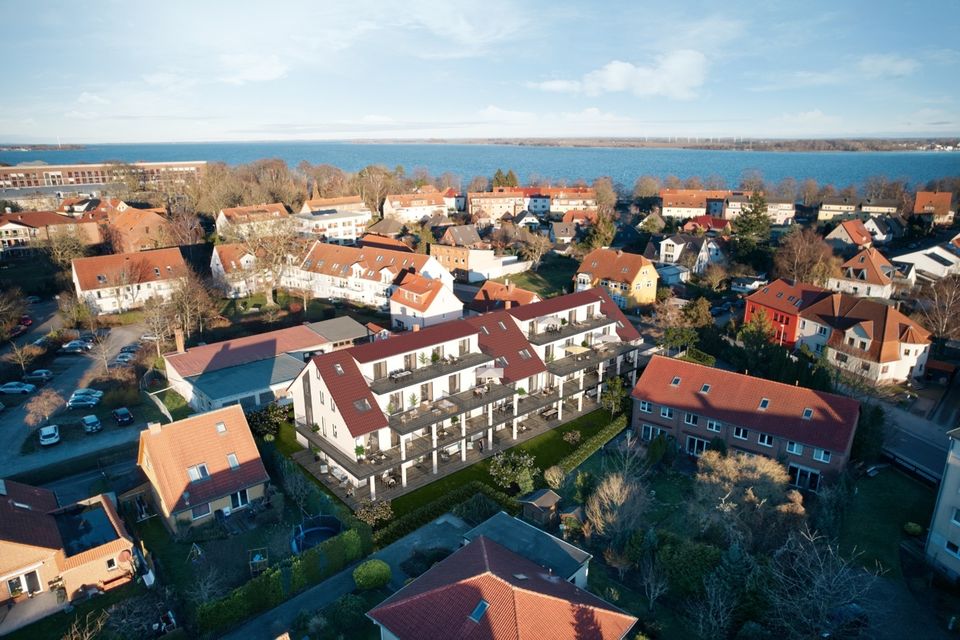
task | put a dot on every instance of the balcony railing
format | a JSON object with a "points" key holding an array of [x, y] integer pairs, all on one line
{"points": [[398, 381], [423, 416], [482, 395], [563, 331]]}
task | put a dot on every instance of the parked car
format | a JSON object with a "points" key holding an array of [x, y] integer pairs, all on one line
{"points": [[87, 337], [42, 342], [125, 358], [17, 330], [26, 320], [17, 387], [148, 337], [122, 416], [87, 392], [40, 375], [49, 435], [91, 424], [83, 402], [76, 346], [32, 299], [130, 348]]}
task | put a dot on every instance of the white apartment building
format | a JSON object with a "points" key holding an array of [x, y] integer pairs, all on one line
{"points": [[234, 270], [413, 207], [123, 281], [333, 225], [419, 302]]}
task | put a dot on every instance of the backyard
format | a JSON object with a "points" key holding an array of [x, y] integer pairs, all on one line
{"points": [[553, 277], [175, 404]]}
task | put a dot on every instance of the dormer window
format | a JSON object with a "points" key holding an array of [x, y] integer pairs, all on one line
{"points": [[675, 382], [156, 271], [764, 403], [338, 369], [362, 405], [232, 460], [101, 279], [705, 389], [198, 472], [807, 413]]}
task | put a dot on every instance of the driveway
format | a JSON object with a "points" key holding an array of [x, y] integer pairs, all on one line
{"points": [[68, 371], [916, 441]]}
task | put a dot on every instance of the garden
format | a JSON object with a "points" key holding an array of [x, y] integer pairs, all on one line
{"points": [[552, 278]]}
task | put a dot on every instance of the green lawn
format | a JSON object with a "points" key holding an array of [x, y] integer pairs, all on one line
{"points": [[873, 523], [553, 277], [175, 403], [56, 626], [286, 441]]}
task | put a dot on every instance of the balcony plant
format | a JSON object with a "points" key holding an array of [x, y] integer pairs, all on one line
{"points": [[521, 391], [423, 359], [360, 450], [413, 400], [392, 407], [435, 358], [563, 322], [315, 427]]}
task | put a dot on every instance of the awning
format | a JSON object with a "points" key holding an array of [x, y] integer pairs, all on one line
{"points": [[576, 349], [549, 321], [488, 373], [608, 339]]}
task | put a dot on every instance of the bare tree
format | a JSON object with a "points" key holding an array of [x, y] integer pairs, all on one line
{"points": [[646, 187], [134, 271], [295, 484], [628, 458], [192, 303], [617, 506], [534, 247], [809, 192], [272, 242], [555, 477], [805, 256], [42, 406], [12, 306], [940, 307], [160, 320], [653, 578], [712, 613], [605, 195], [64, 244], [101, 351], [209, 585], [618, 559], [88, 628], [751, 181], [715, 275], [787, 188], [373, 184], [479, 183]]}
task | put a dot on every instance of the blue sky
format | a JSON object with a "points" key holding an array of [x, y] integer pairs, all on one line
{"points": [[104, 71]]}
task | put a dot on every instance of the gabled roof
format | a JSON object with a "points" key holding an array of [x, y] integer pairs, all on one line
{"points": [[255, 213], [787, 297], [338, 260], [23, 516], [839, 201], [734, 398], [484, 591], [230, 255], [542, 498], [869, 266], [413, 340], [122, 269], [492, 296], [387, 226], [416, 292], [707, 223], [405, 200], [564, 229], [613, 265], [130, 219], [383, 242], [36, 219], [339, 329], [854, 230], [464, 235], [174, 448], [932, 202], [588, 216], [320, 204], [501, 339], [349, 390]]}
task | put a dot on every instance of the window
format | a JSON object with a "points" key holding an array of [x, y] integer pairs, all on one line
{"points": [[524, 354], [675, 382], [645, 406], [221, 427], [765, 439], [232, 460], [198, 472], [111, 564], [821, 455], [239, 499], [955, 519], [705, 389], [764, 403], [666, 412], [649, 432], [740, 433], [795, 448], [200, 511], [696, 446], [807, 413], [821, 331], [479, 610], [713, 425], [691, 419], [953, 548], [362, 405]]}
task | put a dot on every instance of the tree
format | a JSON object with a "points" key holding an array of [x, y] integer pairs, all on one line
{"points": [[672, 182], [209, 585], [752, 227], [555, 477], [646, 187], [601, 232], [372, 574], [613, 395], [693, 182], [511, 179], [606, 196], [12, 306], [88, 628], [617, 507], [373, 183], [478, 184], [652, 224], [679, 338], [73, 312], [809, 192], [101, 351], [192, 303], [804, 256], [787, 188], [159, 317], [514, 468], [712, 613], [715, 275], [868, 438], [752, 180], [653, 578], [23, 355], [295, 484], [534, 246], [272, 242], [499, 179], [617, 559], [940, 307], [697, 313], [755, 335], [42, 406], [64, 245], [373, 513]]}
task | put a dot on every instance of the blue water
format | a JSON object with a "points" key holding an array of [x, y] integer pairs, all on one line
{"points": [[553, 163]]}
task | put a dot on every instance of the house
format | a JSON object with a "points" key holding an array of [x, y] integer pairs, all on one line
{"points": [[462, 235], [256, 218], [849, 235], [747, 284], [390, 227], [366, 275], [82, 547], [201, 465], [565, 199], [563, 232], [868, 274], [123, 281], [474, 261], [411, 208], [524, 219], [671, 274], [837, 207], [943, 538], [454, 200], [234, 270], [580, 217], [133, 230], [24, 234], [694, 252], [485, 591], [541, 507], [880, 207], [495, 205], [629, 278], [811, 431], [344, 203], [422, 402], [383, 242], [690, 203], [931, 264], [866, 338], [707, 224], [333, 225], [879, 230], [558, 557], [493, 296], [934, 206], [781, 302], [419, 302], [782, 211]]}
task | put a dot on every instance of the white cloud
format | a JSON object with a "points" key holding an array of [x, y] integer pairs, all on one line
{"points": [[676, 74], [91, 98], [75, 114], [241, 68], [376, 119], [886, 65], [493, 113]]}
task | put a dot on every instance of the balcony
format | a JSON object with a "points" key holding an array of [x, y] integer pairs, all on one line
{"points": [[563, 331], [423, 416], [482, 395], [537, 400], [384, 459], [401, 380]]}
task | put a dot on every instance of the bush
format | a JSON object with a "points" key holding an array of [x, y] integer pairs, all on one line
{"points": [[420, 561], [374, 512], [912, 529], [572, 437], [592, 444], [687, 563], [476, 509], [698, 357], [346, 612], [267, 420], [372, 574]]}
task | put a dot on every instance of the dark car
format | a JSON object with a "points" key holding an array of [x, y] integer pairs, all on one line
{"points": [[122, 416], [17, 330], [26, 320], [82, 403], [87, 337], [130, 348]]}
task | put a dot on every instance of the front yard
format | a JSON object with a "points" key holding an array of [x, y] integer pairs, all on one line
{"points": [[553, 277]]}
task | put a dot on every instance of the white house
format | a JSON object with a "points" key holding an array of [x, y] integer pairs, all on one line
{"points": [[256, 217], [878, 229], [414, 207], [333, 225], [702, 251], [868, 274], [837, 207], [454, 200], [345, 203], [123, 281], [234, 270], [419, 302], [933, 263], [781, 210]]}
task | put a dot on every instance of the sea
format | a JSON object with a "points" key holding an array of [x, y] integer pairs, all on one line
{"points": [[530, 163]]}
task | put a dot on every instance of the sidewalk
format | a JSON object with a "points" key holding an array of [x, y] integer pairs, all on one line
{"points": [[916, 441], [446, 531]]}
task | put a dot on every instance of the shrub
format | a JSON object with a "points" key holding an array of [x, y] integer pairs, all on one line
{"points": [[267, 420], [372, 574], [687, 563], [592, 444], [698, 357], [572, 437], [476, 509], [347, 611], [912, 529], [554, 475], [420, 561], [514, 468], [373, 512]]}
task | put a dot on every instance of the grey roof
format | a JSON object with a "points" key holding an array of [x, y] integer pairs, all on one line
{"points": [[550, 552], [339, 329], [881, 224], [463, 235], [564, 229], [881, 202], [838, 200], [386, 227], [543, 498], [248, 378]]}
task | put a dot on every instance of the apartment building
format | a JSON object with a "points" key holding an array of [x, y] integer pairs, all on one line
{"points": [[880, 207], [256, 218], [837, 207], [133, 230], [811, 431], [868, 274], [55, 175], [690, 203], [23, 234], [566, 199], [628, 278], [494, 205], [123, 281], [411, 208], [695, 252], [934, 206], [943, 538], [333, 225], [781, 302], [234, 270], [395, 414], [345, 203]]}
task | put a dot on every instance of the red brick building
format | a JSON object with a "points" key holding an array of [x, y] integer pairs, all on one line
{"points": [[782, 302]]}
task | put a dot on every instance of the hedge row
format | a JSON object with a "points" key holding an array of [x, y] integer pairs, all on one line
{"points": [[410, 522], [592, 444], [279, 583]]}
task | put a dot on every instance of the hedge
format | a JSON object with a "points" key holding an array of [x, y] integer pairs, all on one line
{"points": [[592, 444], [277, 584], [413, 520]]}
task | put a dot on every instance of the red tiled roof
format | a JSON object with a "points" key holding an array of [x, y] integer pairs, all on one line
{"points": [[735, 398], [415, 291], [429, 199], [256, 212], [625, 329], [377, 241], [499, 337], [613, 265], [231, 353], [869, 266], [412, 340], [338, 260], [786, 297], [230, 254], [932, 202], [551, 306], [524, 602], [129, 268], [580, 215], [348, 389], [174, 447], [708, 223], [857, 232], [36, 219], [492, 295], [327, 203]]}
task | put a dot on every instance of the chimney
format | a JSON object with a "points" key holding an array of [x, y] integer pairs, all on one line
{"points": [[507, 304], [178, 339], [510, 286], [416, 328], [154, 427]]}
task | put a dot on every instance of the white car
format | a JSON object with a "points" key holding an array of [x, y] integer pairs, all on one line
{"points": [[87, 392], [17, 387], [49, 435], [125, 358]]}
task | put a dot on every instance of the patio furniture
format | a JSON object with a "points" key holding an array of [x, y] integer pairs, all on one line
{"points": [[324, 468]]}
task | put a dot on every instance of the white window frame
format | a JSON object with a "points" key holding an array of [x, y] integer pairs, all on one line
{"points": [[666, 412], [764, 439], [951, 552], [645, 406], [653, 431], [111, 564], [822, 455], [954, 518], [795, 448], [193, 510], [714, 426], [691, 419], [741, 433]]}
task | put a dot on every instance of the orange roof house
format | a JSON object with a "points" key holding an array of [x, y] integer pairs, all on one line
{"points": [[937, 204], [493, 296], [580, 216], [419, 302], [868, 273], [629, 278], [134, 230], [258, 215], [849, 234], [123, 281], [200, 465]]}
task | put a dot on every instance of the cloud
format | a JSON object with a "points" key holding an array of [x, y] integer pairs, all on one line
{"points": [[241, 68], [91, 98], [886, 66], [493, 113], [75, 114], [676, 74], [173, 81], [802, 80]]}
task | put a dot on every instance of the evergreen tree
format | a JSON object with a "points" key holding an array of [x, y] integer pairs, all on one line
{"points": [[499, 180], [511, 179], [751, 241]]}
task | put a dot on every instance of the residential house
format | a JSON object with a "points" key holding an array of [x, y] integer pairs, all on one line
{"points": [[580, 217], [563, 232], [781, 211], [462, 252], [524, 219], [629, 278], [934, 206], [834, 207], [344, 203], [256, 218], [463, 235], [383, 242], [390, 227], [123, 281], [366, 275], [234, 270], [565, 199], [866, 338], [486, 591], [694, 252], [493, 296], [133, 230], [880, 207], [868, 274], [747, 284], [943, 537], [931, 264], [682, 203], [411, 208], [24, 234], [879, 230], [494, 205], [419, 302], [781, 302], [707, 224], [422, 403], [558, 557], [333, 225], [693, 404], [671, 274], [454, 200], [541, 507], [849, 235]]}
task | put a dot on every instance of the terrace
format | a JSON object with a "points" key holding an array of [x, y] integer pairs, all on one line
{"points": [[561, 331], [577, 362], [400, 380]]}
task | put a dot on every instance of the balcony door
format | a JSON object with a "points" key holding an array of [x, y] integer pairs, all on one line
{"points": [[239, 499], [426, 392], [410, 362]]}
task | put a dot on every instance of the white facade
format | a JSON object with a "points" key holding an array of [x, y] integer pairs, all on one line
{"points": [[120, 298], [444, 306], [412, 210], [860, 288], [336, 226], [880, 236], [936, 262], [572, 203], [683, 212], [707, 253], [237, 280], [781, 211], [486, 265]]}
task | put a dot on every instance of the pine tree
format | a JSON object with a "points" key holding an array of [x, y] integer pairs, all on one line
{"points": [[499, 180], [752, 227], [511, 179]]}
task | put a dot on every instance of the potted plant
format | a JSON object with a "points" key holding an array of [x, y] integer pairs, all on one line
{"points": [[455, 420], [391, 407], [563, 322], [435, 358], [315, 427], [584, 344], [359, 450], [521, 391], [423, 359], [413, 400]]}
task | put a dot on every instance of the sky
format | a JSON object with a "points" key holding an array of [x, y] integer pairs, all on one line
{"points": [[120, 71]]}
